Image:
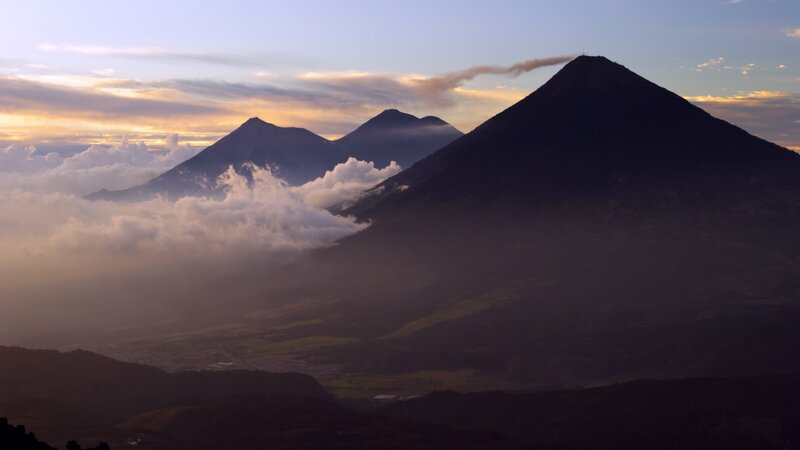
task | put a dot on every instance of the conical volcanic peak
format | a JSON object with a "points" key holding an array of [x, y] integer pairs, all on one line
{"points": [[593, 72], [255, 125], [594, 93], [254, 122], [594, 129]]}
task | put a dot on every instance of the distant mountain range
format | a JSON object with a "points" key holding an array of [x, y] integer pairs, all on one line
{"points": [[701, 413], [88, 397], [295, 154], [91, 398], [601, 229]]}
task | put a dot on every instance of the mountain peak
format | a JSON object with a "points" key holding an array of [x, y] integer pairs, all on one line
{"points": [[592, 73], [254, 122], [589, 60], [394, 135], [595, 128], [395, 119], [391, 117]]}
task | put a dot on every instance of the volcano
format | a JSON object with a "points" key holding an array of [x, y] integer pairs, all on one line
{"points": [[601, 229], [295, 155], [396, 136], [596, 131]]}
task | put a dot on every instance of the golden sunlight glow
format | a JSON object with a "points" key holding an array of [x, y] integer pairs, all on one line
{"points": [[500, 95], [750, 96], [79, 123]]}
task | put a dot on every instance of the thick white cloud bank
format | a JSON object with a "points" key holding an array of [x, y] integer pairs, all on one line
{"points": [[111, 167], [345, 183], [265, 215]]}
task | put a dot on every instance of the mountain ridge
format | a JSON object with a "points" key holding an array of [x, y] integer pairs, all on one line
{"points": [[296, 155]]}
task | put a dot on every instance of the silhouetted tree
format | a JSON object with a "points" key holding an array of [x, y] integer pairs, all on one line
{"points": [[100, 446]]}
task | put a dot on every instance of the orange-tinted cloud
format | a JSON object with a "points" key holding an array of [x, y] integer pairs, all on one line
{"points": [[772, 115], [55, 108]]}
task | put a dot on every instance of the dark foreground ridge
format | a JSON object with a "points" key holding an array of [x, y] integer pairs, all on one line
{"points": [[17, 438], [73, 395], [701, 413], [94, 401]]}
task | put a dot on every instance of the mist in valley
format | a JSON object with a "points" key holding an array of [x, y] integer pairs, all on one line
{"points": [[73, 269]]}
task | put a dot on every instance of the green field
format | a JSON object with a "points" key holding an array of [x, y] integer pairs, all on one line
{"points": [[293, 346]]}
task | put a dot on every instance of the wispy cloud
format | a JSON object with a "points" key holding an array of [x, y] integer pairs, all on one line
{"points": [[354, 89], [155, 53], [432, 88], [793, 33], [19, 95], [713, 63], [747, 68], [330, 103]]}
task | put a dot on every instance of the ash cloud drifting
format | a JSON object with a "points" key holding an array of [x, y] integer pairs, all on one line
{"points": [[435, 86]]}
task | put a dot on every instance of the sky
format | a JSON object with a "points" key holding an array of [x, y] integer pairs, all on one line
{"points": [[77, 74]]}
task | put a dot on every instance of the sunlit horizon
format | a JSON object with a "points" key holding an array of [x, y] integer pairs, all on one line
{"points": [[69, 86]]}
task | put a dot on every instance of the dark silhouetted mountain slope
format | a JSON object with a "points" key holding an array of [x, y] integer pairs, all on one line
{"points": [[596, 130], [290, 422], [705, 413], [71, 395]]}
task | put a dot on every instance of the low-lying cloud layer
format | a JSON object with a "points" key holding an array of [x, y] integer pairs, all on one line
{"points": [[345, 183], [116, 166], [264, 215], [261, 215]]}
